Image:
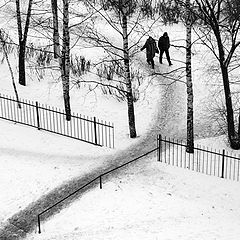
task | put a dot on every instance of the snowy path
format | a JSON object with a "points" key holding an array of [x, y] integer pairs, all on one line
{"points": [[169, 121]]}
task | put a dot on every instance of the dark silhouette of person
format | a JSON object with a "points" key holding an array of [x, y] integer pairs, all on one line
{"points": [[151, 50], [164, 45]]}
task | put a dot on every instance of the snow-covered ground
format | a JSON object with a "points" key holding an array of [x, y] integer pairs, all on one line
{"points": [[146, 201], [151, 201]]}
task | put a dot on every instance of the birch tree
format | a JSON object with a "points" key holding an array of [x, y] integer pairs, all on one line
{"points": [[222, 19], [122, 9], [65, 59], [190, 132], [56, 43], [22, 37]]}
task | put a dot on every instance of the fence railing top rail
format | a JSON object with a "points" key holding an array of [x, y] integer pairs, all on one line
{"points": [[93, 180]]}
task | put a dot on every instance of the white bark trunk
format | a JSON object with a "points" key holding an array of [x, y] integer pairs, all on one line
{"points": [[131, 116], [55, 29], [190, 133], [65, 60]]}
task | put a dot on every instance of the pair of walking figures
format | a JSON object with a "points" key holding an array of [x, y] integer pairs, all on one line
{"points": [[151, 49]]}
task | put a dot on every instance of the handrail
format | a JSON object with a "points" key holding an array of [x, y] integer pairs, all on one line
{"points": [[93, 180]]}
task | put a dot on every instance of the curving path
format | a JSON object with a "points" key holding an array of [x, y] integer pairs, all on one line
{"points": [[169, 120]]}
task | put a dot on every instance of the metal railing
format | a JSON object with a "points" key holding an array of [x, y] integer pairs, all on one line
{"points": [[174, 153], [99, 178], [204, 160], [52, 119]]}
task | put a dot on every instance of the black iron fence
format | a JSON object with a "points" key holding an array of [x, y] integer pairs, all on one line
{"points": [[52, 119], [98, 178], [205, 160], [174, 153]]}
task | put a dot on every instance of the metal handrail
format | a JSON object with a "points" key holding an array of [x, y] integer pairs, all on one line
{"points": [[93, 180]]}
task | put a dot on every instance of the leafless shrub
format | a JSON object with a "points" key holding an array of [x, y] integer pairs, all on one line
{"points": [[112, 73]]}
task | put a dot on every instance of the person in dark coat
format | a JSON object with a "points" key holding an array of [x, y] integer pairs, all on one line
{"points": [[164, 45], [151, 50]]}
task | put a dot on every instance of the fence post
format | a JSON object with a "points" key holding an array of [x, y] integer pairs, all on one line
{"points": [[38, 121], [223, 160], [100, 181], [159, 147], [95, 129], [39, 228]]}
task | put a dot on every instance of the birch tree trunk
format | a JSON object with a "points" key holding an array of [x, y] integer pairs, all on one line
{"points": [[239, 124], [22, 40], [65, 60], [55, 29], [190, 133], [131, 116]]}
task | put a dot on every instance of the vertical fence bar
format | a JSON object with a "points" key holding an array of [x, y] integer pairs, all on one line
{"points": [[198, 159], [159, 147], [113, 134], [100, 178], [165, 149], [74, 126], [84, 127], [234, 166], [185, 157], [193, 160], [15, 114], [223, 160], [207, 162], [181, 154], [238, 170], [203, 163], [87, 129], [37, 111], [219, 163], [169, 152], [173, 150], [57, 114], [230, 166], [4, 104], [109, 135], [27, 113], [7, 111], [11, 102], [52, 113], [25, 105], [211, 162], [39, 226], [214, 169], [95, 129], [70, 123], [78, 119], [105, 134], [61, 121], [177, 152]]}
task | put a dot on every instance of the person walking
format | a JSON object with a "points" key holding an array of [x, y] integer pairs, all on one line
{"points": [[151, 50], [164, 45]]}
